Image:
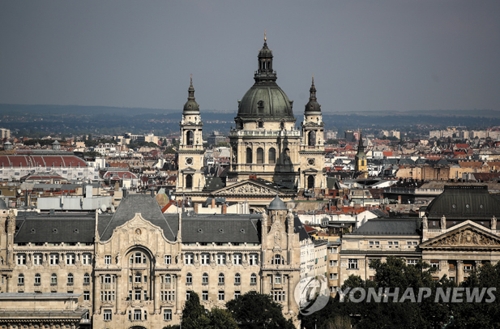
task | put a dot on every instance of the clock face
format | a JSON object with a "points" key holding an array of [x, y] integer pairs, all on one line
{"points": [[310, 162], [189, 161]]}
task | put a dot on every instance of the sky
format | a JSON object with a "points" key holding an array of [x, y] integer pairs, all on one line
{"points": [[384, 55]]}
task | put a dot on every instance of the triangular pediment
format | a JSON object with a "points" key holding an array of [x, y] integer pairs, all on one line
{"points": [[468, 236], [246, 188]]}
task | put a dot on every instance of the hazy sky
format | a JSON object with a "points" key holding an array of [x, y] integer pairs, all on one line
{"points": [[364, 55]]}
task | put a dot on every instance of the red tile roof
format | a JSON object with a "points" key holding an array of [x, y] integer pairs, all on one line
{"points": [[17, 161]]}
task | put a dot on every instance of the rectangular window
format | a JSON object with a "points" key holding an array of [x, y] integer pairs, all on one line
{"points": [[333, 250], [411, 261], [37, 259], [333, 263], [107, 259], [237, 259], [411, 244], [168, 295], [86, 295], [70, 259], [168, 261], [277, 279], [205, 259], [204, 295], [54, 259], [221, 259], [435, 264], [253, 259], [137, 295], [221, 295], [352, 264], [137, 278], [374, 244], [167, 314], [38, 280], [188, 259], [237, 294], [137, 315], [278, 295], [21, 259], [333, 276], [107, 315], [86, 259]]}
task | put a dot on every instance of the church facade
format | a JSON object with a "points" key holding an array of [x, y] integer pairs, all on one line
{"points": [[268, 152]]}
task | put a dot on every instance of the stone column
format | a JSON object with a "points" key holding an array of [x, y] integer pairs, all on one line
{"points": [[290, 293], [117, 294], [156, 296], [96, 296], [460, 271], [177, 294]]}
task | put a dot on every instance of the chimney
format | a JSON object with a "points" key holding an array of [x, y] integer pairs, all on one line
{"points": [[213, 203], [224, 208]]}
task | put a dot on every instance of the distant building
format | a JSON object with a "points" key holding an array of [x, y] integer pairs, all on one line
{"points": [[215, 138]]}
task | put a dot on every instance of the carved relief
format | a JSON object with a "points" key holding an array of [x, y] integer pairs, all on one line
{"points": [[249, 189], [466, 237]]}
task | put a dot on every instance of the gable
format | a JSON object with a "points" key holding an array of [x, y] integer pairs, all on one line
{"points": [[464, 238], [248, 188]]}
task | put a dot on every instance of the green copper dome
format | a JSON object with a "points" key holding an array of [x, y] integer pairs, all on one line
{"points": [[265, 99]]}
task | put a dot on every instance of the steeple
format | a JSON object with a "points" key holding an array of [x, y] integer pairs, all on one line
{"points": [[312, 105], [191, 105], [265, 72], [361, 147]]}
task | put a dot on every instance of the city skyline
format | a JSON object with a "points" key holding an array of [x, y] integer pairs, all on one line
{"points": [[364, 56]]}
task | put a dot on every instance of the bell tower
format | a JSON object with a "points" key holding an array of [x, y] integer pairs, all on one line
{"points": [[312, 146], [361, 162], [190, 159]]}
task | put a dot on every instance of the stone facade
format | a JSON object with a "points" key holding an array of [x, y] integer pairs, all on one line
{"points": [[142, 264]]}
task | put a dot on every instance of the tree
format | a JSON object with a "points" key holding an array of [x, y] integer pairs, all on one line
{"points": [[255, 311], [194, 315], [221, 319]]}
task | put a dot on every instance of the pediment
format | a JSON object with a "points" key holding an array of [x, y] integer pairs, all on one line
{"points": [[465, 237], [245, 188]]}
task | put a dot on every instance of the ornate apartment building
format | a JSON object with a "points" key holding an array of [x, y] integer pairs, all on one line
{"points": [[136, 267]]}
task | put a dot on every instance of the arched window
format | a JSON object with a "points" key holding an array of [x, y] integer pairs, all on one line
{"points": [[310, 181], [249, 155], [204, 279], [168, 278], [70, 279], [86, 278], [237, 279], [189, 181], [221, 278], [311, 138], [20, 279], [189, 137], [53, 279], [38, 279], [189, 279], [278, 260], [272, 156], [253, 279], [260, 155]]}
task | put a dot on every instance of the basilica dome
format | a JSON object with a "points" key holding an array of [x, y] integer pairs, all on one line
{"points": [[265, 99]]}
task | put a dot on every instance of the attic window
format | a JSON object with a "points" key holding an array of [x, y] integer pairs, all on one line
{"points": [[54, 230], [453, 206], [242, 230], [33, 231], [76, 231], [221, 230], [200, 230], [467, 206], [481, 206]]}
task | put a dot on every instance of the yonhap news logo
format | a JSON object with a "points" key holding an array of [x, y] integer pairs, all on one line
{"points": [[441, 295], [312, 294]]}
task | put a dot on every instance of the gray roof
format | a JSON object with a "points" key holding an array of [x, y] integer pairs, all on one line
{"points": [[3, 204], [149, 210], [220, 228], [387, 226], [54, 228], [277, 204], [464, 202], [299, 228]]}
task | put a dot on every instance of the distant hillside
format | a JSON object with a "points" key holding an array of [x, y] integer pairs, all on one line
{"points": [[65, 120]]}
